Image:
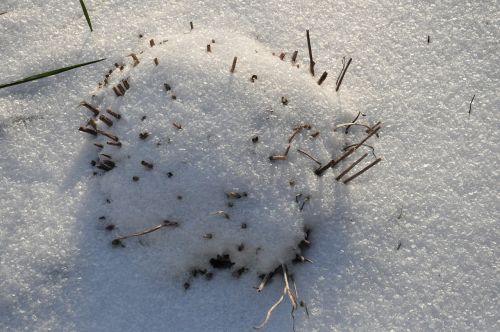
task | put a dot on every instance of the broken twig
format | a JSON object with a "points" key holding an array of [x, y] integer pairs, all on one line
{"points": [[363, 170], [342, 73]]}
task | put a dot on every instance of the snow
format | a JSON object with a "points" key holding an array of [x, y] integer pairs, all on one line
{"points": [[435, 191]]}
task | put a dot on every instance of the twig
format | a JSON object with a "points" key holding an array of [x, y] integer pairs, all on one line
{"points": [[294, 56], [88, 131], [135, 58], [350, 167], [368, 146], [191, 25], [363, 170], [308, 155], [234, 64], [286, 291], [107, 121], [270, 311], [342, 73], [470, 104], [334, 162], [264, 282], [353, 121], [166, 223], [113, 137], [322, 78], [90, 107], [311, 62], [114, 114], [349, 124]]}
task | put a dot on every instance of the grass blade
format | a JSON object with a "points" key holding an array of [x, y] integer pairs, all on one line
{"points": [[86, 14], [48, 73]]}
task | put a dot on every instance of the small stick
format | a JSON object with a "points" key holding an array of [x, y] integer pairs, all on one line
{"points": [[117, 92], [287, 149], [121, 88], [152, 43], [428, 39], [470, 104], [178, 126], [100, 146], [311, 62], [107, 121], [308, 155], [342, 73], [294, 56], [333, 162], [373, 127], [350, 167], [113, 114], [118, 144], [166, 223], [363, 170], [349, 124], [191, 25], [368, 146], [113, 137], [209, 48], [297, 130], [234, 64], [88, 131], [264, 282], [90, 107], [322, 78], [278, 157], [136, 59], [353, 121], [156, 61]]}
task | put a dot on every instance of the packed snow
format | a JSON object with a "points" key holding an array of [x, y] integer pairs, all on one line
{"points": [[412, 244], [195, 147]]}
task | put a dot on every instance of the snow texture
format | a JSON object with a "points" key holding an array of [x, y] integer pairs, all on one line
{"points": [[413, 244], [192, 159]]}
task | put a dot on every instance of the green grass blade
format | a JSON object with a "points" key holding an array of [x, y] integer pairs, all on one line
{"points": [[48, 73], [86, 14]]}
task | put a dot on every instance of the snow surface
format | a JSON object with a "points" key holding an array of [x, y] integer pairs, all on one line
{"points": [[201, 150], [435, 192]]}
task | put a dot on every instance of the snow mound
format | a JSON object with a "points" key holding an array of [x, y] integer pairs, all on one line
{"points": [[191, 157]]}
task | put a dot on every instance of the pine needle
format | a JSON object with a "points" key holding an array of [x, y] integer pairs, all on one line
{"points": [[47, 74], [86, 15]]}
